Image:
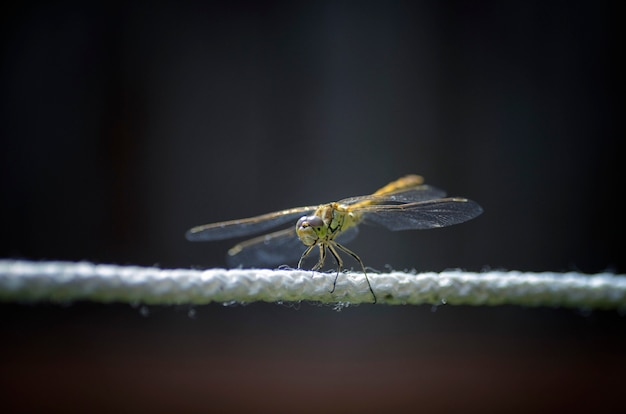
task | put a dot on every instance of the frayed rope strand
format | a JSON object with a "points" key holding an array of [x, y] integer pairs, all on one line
{"points": [[62, 282]]}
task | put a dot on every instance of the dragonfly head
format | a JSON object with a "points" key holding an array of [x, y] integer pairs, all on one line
{"points": [[310, 229]]}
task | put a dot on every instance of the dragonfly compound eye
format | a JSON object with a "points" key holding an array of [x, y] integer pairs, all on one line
{"points": [[308, 229], [302, 224], [313, 221], [310, 221]]}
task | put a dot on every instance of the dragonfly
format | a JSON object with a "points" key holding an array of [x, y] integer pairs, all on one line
{"points": [[404, 204]]}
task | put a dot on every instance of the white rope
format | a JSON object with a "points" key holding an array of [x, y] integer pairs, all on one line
{"points": [[29, 281]]}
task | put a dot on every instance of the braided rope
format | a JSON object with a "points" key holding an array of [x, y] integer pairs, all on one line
{"points": [[31, 281]]}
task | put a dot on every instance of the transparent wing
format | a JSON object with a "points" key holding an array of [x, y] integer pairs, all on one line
{"points": [[245, 227], [421, 215], [280, 247], [418, 193], [258, 224]]}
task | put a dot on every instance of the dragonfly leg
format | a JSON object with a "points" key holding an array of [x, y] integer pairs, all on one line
{"points": [[305, 254], [339, 264], [322, 259], [358, 259]]}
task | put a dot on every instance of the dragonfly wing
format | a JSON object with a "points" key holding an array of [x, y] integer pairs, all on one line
{"points": [[422, 215], [419, 193], [245, 227], [280, 247]]}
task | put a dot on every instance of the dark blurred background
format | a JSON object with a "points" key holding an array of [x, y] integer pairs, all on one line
{"points": [[123, 124]]}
